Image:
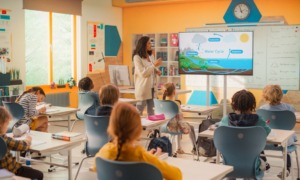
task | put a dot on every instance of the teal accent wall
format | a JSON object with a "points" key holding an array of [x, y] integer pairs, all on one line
{"points": [[112, 40]]}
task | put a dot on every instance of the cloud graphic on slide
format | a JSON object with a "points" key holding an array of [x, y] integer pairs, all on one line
{"points": [[198, 39], [229, 38]]}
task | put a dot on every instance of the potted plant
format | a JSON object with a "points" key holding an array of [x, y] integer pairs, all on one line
{"points": [[71, 82], [61, 83]]}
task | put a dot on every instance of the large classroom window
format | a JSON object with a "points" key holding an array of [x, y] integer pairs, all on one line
{"points": [[49, 47]]}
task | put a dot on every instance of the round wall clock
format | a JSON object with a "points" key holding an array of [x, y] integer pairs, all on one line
{"points": [[241, 11]]}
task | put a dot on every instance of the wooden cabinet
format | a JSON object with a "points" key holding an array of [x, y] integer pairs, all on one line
{"points": [[165, 46]]}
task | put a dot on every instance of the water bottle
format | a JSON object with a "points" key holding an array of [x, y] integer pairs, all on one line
{"points": [[28, 156]]}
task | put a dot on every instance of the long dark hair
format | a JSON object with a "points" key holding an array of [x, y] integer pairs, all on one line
{"points": [[168, 89], [32, 90], [141, 47]]}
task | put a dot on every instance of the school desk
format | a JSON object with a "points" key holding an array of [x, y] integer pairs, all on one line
{"points": [[48, 146], [277, 136], [178, 91]]}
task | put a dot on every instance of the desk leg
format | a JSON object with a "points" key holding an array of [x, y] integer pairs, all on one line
{"points": [[284, 152], [69, 123], [218, 157], [70, 164]]}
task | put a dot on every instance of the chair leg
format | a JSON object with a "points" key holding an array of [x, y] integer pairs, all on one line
{"points": [[81, 165], [71, 129], [297, 161]]}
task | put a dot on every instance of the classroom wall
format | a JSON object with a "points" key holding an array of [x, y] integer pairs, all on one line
{"points": [[176, 17], [92, 10]]}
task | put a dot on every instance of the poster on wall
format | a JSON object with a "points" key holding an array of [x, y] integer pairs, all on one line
{"points": [[95, 47], [5, 40]]}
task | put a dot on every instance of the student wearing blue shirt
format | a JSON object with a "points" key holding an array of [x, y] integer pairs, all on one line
{"points": [[86, 85], [272, 94], [243, 104]]}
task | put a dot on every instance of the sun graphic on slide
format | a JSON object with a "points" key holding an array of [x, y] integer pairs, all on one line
{"points": [[244, 38]]}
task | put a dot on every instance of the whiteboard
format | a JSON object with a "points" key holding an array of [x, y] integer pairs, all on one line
{"points": [[276, 55]]}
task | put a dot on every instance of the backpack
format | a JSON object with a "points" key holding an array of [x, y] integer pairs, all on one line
{"points": [[206, 146], [157, 141]]}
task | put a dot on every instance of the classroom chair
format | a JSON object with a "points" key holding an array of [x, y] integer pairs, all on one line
{"points": [[284, 120], [17, 112], [248, 142], [3, 148], [85, 101], [95, 128], [121, 170], [170, 110]]}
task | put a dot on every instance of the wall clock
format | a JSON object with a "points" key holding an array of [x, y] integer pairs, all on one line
{"points": [[242, 11]]}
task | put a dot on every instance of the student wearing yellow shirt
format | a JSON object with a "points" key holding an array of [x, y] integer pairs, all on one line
{"points": [[125, 128]]}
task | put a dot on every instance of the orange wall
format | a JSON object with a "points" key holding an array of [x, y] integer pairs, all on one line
{"points": [[176, 17]]}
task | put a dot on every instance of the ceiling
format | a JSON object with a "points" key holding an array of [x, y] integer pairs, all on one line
{"points": [[130, 3]]}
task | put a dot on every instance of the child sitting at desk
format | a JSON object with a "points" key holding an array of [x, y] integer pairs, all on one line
{"points": [[273, 95], [243, 104], [177, 124], [109, 95], [86, 85], [8, 161], [125, 128], [28, 100]]}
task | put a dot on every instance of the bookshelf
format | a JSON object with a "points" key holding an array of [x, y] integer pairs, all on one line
{"points": [[10, 92], [165, 46]]}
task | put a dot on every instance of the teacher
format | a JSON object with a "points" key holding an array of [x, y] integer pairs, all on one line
{"points": [[145, 75]]}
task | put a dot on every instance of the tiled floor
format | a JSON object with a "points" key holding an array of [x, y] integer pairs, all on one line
{"points": [[62, 173]]}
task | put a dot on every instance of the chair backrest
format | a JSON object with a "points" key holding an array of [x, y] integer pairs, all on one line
{"points": [[96, 131], [85, 101], [240, 147], [167, 107], [17, 112], [3, 148], [120, 170], [285, 120]]}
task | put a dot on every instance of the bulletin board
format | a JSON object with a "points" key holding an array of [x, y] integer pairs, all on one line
{"points": [[95, 33], [276, 54], [5, 40]]}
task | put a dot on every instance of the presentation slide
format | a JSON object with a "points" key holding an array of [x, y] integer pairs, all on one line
{"points": [[216, 53]]}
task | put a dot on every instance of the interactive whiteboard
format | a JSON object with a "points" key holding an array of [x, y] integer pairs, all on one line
{"points": [[276, 58]]}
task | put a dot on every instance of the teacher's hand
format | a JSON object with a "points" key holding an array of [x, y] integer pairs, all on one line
{"points": [[158, 73], [158, 62]]}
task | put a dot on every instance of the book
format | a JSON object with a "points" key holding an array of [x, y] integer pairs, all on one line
{"points": [[5, 174], [66, 136]]}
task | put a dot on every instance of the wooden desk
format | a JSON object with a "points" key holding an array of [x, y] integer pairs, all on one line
{"points": [[178, 91], [147, 124], [279, 137], [297, 116], [198, 109], [199, 170], [52, 146], [190, 170], [62, 111], [128, 100]]}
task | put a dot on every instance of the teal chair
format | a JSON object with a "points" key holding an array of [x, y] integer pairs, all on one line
{"points": [[96, 132], [120, 170], [3, 149], [17, 112], [85, 101], [284, 120], [241, 147]]}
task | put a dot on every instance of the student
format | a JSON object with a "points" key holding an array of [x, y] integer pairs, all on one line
{"points": [[145, 75], [243, 104], [177, 124], [86, 85], [109, 95], [28, 100], [8, 161], [125, 128], [273, 95]]}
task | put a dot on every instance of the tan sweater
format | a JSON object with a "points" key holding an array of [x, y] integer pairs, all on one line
{"points": [[145, 78]]}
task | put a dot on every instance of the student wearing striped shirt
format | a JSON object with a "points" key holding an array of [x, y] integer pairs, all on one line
{"points": [[9, 161], [28, 100]]}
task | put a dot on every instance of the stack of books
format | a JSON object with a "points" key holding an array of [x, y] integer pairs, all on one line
{"points": [[66, 136]]}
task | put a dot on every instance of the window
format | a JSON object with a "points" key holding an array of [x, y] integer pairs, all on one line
{"points": [[49, 47]]}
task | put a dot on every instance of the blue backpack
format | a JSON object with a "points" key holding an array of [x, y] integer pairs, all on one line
{"points": [[157, 141]]}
